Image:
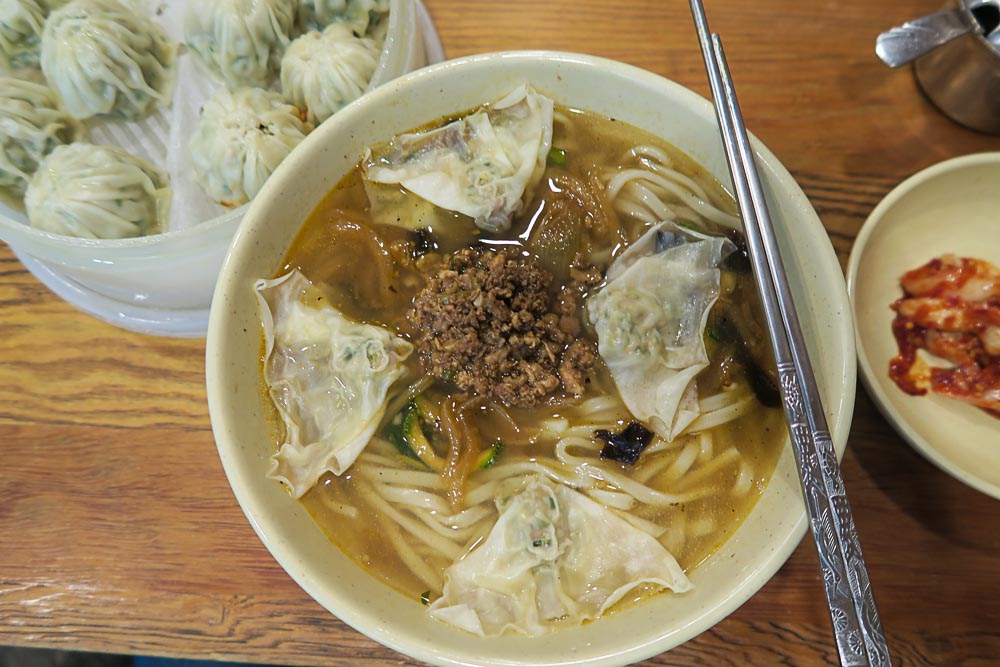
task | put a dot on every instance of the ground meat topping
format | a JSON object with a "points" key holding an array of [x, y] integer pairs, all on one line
{"points": [[582, 279], [488, 324]]}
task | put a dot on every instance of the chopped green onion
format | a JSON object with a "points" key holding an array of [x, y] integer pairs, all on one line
{"points": [[425, 598], [557, 156]]}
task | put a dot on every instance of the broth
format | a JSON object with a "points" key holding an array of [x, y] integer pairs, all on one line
{"points": [[363, 264]]}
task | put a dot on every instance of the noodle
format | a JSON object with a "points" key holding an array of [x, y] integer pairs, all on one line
{"points": [[645, 526], [460, 535], [682, 463], [480, 494], [728, 457], [654, 464], [401, 477], [662, 186], [675, 536], [599, 405], [744, 480], [423, 534], [702, 527], [529, 467], [658, 161], [343, 509], [651, 152], [722, 399], [706, 445], [620, 501], [412, 498], [724, 415], [641, 492], [412, 560]]}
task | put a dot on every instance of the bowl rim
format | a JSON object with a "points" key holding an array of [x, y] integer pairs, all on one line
{"points": [[75, 243], [868, 374], [764, 569]]}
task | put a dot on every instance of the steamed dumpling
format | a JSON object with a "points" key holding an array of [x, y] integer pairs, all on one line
{"points": [[101, 57], [241, 138], [101, 192], [21, 24], [554, 558], [357, 15], [650, 321], [31, 126], [240, 40], [321, 72], [327, 375], [484, 165]]}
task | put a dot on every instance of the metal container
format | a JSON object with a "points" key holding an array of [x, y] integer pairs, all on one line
{"points": [[956, 55]]}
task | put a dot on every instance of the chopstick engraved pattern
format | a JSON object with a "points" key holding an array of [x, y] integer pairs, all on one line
{"points": [[856, 625]]}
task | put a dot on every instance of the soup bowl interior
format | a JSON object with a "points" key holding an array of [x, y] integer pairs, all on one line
{"points": [[740, 566]]}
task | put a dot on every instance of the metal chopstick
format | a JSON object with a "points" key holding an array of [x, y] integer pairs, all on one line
{"points": [[856, 626]]}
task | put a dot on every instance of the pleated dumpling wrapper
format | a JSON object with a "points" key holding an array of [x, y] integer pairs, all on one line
{"points": [[321, 72], [241, 138], [484, 165], [98, 192], [358, 15], [327, 375], [554, 558], [240, 41], [105, 57], [32, 125], [21, 25], [650, 320]]}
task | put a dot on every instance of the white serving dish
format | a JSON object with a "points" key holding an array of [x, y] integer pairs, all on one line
{"points": [[951, 207]]}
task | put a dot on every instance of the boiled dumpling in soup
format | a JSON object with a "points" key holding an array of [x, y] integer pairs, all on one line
{"points": [[484, 166], [552, 555], [327, 375], [650, 322]]}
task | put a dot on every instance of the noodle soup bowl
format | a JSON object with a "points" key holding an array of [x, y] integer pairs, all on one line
{"points": [[740, 566]]}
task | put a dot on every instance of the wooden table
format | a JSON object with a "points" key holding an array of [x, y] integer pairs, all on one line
{"points": [[118, 531]]}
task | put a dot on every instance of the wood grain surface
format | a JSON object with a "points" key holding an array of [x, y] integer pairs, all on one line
{"points": [[118, 531]]}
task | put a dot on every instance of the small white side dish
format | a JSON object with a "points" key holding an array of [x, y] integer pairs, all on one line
{"points": [[951, 207], [244, 438]]}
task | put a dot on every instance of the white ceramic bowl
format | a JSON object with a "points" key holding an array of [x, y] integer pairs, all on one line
{"points": [[163, 284], [951, 207], [726, 580]]}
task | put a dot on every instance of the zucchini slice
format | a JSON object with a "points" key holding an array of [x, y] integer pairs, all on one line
{"points": [[489, 456], [406, 432]]}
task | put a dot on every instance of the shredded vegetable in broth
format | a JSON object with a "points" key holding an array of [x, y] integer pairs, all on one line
{"points": [[579, 400]]}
